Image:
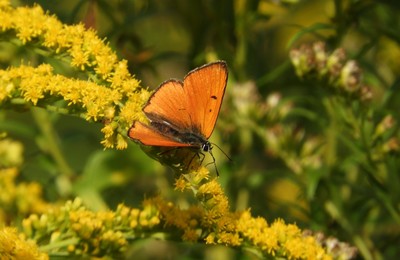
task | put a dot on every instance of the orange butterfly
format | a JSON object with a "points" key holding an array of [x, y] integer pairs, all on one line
{"points": [[183, 114]]}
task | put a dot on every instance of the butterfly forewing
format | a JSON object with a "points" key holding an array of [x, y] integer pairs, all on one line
{"points": [[204, 88], [169, 103]]}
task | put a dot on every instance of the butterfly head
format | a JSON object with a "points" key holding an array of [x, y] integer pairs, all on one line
{"points": [[206, 147]]}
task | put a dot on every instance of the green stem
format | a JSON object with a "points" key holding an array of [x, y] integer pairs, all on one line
{"points": [[43, 121], [59, 244]]}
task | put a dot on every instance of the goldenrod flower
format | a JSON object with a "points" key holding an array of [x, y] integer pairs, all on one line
{"points": [[190, 235], [181, 183], [88, 232], [19, 200], [4, 4], [109, 85], [222, 226], [10, 153], [95, 101], [13, 246]]}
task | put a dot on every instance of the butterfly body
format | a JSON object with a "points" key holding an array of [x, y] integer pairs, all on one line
{"points": [[192, 138], [183, 114]]}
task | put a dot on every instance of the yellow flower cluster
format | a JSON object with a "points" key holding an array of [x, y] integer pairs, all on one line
{"points": [[13, 246], [76, 230], [188, 221], [35, 83], [19, 200], [10, 152], [218, 225], [279, 238], [84, 48], [110, 93]]}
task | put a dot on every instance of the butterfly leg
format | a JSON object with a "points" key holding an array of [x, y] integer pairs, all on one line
{"points": [[167, 151], [191, 160], [213, 162]]}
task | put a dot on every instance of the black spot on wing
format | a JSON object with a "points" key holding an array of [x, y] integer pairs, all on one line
{"points": [[214, 97]]}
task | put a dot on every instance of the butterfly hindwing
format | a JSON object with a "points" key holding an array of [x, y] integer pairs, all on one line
{"points": [[150, 136]]}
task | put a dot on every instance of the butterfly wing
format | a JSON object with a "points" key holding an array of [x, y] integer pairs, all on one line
{"points": [[149, 136], [204, 88], [189, 108], [169, 103]]}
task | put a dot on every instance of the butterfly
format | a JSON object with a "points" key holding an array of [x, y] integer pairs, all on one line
{"points": [[183, 114]]}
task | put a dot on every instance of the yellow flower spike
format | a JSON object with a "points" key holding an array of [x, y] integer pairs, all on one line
{"points": [[5, 92], [43, 221], [6, 21], [55, 236], [34, 219], [109, 112], [130, 87], [103, 67], [27, 227], [53, 35], [33, 89], [190, 235], [4, 4], [75, 34], [71, 248], [108, 129], [200, 175], [85, 50], [153, 221], [121, 142], [120, 75], [279, 237], [193, 223], [212, 187], [113, 239], [133, 224], [132, 110], [181, 183], [122, 215], [212, 195], [229, 239], [97, 46], [122, 210], [256, 230], [29, 22], [210, 239], [134, 213], [107, 218], [99, 102], [13, 246], [80, 58], [143, 222]]}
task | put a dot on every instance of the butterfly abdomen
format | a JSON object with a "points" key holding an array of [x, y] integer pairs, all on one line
{"points": [[190, 138]]}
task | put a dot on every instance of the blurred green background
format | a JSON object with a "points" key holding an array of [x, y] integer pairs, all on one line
{"points": [[272, 124]]}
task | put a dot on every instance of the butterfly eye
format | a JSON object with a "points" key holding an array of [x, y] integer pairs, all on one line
{"points": [[206, 147]]}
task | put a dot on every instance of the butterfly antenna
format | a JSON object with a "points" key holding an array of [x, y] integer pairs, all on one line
{"points": [[229, 158]]}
